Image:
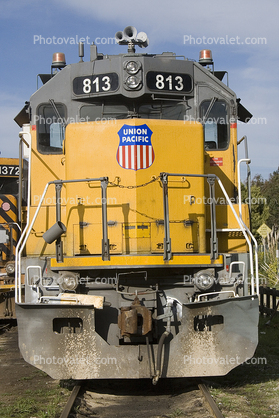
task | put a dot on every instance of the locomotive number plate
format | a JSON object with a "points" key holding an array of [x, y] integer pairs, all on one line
{"points": [[96, 83], [9, 170], [171, 82]]}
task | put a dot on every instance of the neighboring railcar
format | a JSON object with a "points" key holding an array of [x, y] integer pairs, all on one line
{"points": [[9, 233], [135, 252]]}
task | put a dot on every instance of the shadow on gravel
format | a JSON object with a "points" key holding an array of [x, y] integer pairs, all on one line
{"points": [[141, 387]]}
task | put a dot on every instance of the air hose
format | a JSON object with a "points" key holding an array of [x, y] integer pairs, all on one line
{"points": [[161, 343]]}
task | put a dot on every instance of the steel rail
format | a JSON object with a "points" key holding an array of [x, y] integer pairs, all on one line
{"points": [[68, 407], [4, 327], [210, 401], [213, 408]]}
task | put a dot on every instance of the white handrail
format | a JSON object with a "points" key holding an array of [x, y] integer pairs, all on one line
{"points": [[216, 293], [241, 224], [243, 160], [22, 242], [244, 229], [247, 160], [17, 266], [236, 262], [26, 233]]}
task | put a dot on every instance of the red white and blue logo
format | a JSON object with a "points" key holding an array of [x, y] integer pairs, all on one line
{"points": [[135, 151]]}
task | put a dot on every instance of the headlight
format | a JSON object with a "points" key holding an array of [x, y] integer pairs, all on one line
{"points": [[68, 281], [132, 82], [204, 281], [10, 268], [132, 67]]}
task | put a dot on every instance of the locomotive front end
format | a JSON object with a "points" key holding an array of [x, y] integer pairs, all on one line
{"points": [[136, 257]]}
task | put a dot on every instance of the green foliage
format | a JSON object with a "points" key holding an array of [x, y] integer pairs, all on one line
{"points": [[265, 209], [259, 207], [41, 403], [268, 266], [270, 189], [22, 407]]}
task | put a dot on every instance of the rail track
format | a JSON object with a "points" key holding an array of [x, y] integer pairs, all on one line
{"points": [[139, 399], [4, 327], [69, 405], [6, 324]]}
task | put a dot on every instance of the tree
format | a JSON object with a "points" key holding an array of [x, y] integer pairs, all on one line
{"points": [[259, 206], [270, 190], [265, 209]]}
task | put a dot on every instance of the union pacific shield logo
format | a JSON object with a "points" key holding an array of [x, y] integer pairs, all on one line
{"points": [[135, 151]]}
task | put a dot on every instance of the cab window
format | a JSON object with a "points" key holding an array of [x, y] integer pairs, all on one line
{"points": [[51, 128], [163, 110], [168, 110], [100, 112], [215, 119]]}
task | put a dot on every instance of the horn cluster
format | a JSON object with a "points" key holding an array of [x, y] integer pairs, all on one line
{"points": [[130, 37]]}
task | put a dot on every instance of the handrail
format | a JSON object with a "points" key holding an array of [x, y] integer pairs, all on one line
{"points": [[27, 273], [247, 160], [211, 178], [17, 267], [244, 138], [11, 223], [7, 225], [211, 181], [216, 293], [244, 229], [21, 244], [234, 263], [40, 278], [167, 239]]}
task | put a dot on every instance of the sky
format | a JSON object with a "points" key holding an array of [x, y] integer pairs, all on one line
{"points": [[243, 36]]}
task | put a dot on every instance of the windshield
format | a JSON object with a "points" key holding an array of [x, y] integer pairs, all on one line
{"points": [[169, 110]]}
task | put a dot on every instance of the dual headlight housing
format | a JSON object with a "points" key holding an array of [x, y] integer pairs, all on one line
{"points": [[132, 75]]}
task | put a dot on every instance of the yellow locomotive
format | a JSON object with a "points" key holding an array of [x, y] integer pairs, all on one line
{"points": [[135, 254]]}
